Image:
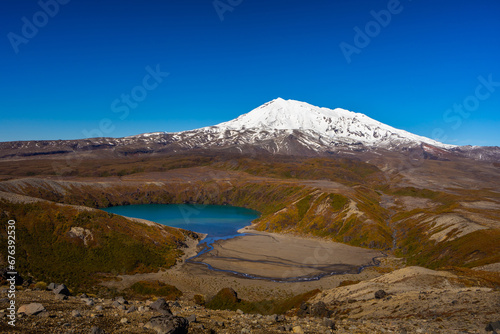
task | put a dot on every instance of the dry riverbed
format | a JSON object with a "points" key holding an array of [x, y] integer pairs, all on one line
{"points": [[286, 258], [269, 255]]}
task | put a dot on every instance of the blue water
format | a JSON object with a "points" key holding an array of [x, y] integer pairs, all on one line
{"points": [[217, 221]]}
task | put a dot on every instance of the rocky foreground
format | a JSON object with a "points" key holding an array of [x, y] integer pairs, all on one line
{"points": [[413, 300]]}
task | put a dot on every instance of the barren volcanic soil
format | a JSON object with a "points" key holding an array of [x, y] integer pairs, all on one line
{"points": [[286, 258]]}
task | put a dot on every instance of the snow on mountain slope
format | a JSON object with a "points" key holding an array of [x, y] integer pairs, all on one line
{"points": [[278, 127], [313, 127]]}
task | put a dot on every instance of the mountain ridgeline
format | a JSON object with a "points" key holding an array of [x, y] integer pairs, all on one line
{"points": [[284, 127]]}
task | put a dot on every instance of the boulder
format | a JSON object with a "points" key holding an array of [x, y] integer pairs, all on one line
{"points": [[380, 294], [76, 314], [31, 309], [121, 300], [168, 324], [52, 286], [493, 327], [62, 290], [131, 309], [160, 305], [191, 318]]}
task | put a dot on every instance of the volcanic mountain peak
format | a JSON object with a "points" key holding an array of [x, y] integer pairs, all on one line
{"points": [[331, 125], [285, 127], [286, 114]]}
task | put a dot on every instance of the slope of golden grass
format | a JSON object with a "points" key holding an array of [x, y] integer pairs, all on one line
{"points": [[57, 243]]}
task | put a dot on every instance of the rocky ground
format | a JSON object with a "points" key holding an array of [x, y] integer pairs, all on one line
{"points": [[409, 300], [195, 278], [97, 315]]}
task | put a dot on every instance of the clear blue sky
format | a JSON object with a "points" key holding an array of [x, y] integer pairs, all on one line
{"points": [[69, 77]]}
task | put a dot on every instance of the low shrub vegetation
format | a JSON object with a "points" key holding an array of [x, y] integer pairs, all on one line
{"points": [[227, 299], [154, 288]]}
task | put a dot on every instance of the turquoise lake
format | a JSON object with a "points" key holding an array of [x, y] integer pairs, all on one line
{"points": [[217, 221]]}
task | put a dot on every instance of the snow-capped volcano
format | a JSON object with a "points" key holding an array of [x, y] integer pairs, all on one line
{"points": [[335, 124], [313, 127], [280, 126]]}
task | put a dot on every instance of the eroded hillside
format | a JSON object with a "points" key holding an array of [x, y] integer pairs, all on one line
{"points": [[372, 205]]}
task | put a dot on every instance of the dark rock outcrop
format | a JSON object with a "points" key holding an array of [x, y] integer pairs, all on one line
{"points": [[121, 300], [168, 324], [61, 290], [52, 286], [380, 294], [160, 305], [493, 327]]}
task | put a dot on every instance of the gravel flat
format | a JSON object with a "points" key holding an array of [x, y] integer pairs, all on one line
{"points": [[285, 257]]}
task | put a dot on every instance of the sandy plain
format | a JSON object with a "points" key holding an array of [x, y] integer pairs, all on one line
{"points": [[282, 257], [277, 257]]}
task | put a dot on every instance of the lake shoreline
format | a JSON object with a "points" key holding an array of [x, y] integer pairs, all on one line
{"points": [[285, 258], [196, 278]]}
